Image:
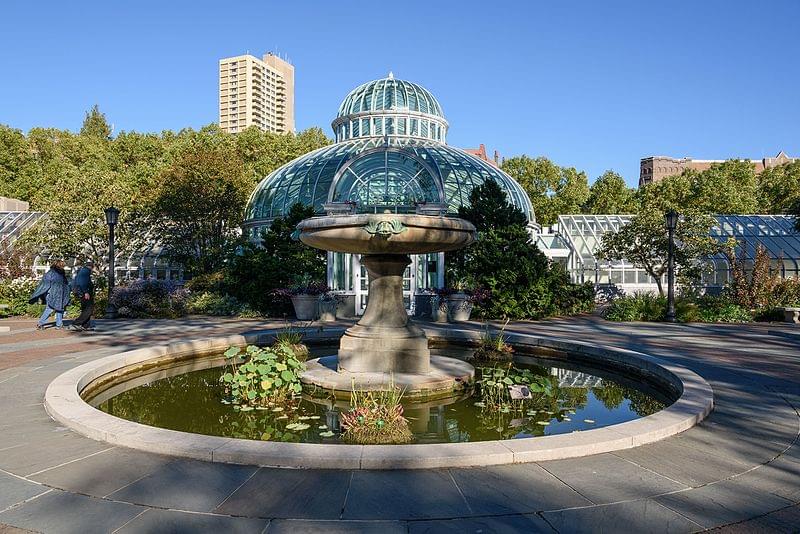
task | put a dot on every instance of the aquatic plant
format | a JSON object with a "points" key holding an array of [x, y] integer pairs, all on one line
{"points": [[256, 376], [375, 417], [493, 348], [292, 339]]}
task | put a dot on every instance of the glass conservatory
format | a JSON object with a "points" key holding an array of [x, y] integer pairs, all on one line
{"points": [[390, 155], [573, 242]]}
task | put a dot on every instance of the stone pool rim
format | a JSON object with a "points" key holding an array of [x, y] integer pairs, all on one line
{"points": [[64, 403]]}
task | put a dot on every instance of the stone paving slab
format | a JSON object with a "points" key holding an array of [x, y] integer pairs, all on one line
{"points": [[641, 517], [186, 485], [415, 494], [783, 521], [60, 512], [60, 448], [14, 490], [605, 478], [276, 493], [724, 502], [103, 473], [284, 526], [686, 465], [174, 522], [496, 525], [514, 489]]}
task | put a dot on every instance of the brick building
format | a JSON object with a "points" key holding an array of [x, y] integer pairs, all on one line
{"points": [[655, 168]]}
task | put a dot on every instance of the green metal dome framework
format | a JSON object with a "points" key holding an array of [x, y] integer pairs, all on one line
{"points": [[396, 166]]}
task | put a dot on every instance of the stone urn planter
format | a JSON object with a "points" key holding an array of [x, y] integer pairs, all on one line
{"points": [[439, 309], [327, 308], [305, 307], [459, 306]]}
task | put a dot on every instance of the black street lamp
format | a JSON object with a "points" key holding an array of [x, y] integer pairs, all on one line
{"points": [[112, 217], [672, 223]]}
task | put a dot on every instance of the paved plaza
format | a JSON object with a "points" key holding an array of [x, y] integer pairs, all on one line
{"points": [[739, 470]]}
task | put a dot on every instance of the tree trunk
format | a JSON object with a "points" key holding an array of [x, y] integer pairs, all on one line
{"points": [[658, 284]]}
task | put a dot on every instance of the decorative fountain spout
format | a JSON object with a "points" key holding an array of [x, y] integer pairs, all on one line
{"points": [[385, 346]]}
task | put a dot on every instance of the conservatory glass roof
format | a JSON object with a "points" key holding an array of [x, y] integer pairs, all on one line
{"points": [[389, 154]]}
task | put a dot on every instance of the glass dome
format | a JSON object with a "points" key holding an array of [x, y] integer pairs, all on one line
{"points": [[397, 167], [390, 107]]}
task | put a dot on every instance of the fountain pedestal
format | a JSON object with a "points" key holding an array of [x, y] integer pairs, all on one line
{"points": [[385, 348], [385, 340]]}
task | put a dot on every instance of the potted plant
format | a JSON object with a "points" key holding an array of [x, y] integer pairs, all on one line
{"points": [[461, 302], [328, 302], [439, 305], [305, 299]]}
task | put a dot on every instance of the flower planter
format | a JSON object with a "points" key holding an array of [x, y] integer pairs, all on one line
{"points": [[305, 307], [439, 310], [459, 307], [327, 310]]}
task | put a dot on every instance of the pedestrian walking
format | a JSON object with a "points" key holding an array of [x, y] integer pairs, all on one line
{"points": [[83, 289], [53, 292]]}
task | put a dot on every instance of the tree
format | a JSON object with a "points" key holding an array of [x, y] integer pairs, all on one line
{"points": [[725, 188], [258, 269], [198, 205], [95, 124], [609, 194], [644, 242], [522, 282], [779, 188], [553, 190]]}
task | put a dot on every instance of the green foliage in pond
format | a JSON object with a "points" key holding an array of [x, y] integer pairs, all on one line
{"points": [[258, 376]]}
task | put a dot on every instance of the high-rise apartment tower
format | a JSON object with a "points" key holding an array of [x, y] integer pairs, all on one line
{"points": [[256, 92]]}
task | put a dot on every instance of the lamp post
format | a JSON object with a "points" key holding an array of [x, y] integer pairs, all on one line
{"points": [[672, 223], [112, 217]]}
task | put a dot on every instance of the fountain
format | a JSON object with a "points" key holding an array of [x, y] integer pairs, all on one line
{"points": [[385, 347]]}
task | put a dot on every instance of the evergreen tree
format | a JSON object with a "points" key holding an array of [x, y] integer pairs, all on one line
{"points": [[95, 124]]}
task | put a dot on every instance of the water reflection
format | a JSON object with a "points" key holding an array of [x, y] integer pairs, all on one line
{"points": [[580, 399]]}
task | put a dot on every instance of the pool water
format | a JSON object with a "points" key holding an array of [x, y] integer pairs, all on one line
{"points": [[581, 399]]}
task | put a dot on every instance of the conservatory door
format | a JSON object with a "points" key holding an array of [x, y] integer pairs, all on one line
{"points": [[362, 284]]}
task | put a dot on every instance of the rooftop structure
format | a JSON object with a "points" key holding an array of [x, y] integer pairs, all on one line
{"points": [[655, 168]]}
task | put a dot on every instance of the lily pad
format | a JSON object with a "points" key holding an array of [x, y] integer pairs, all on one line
{"points": [[277, 409], [323, 427], [543, 423], [327, 434], [567, 419], [588, 421]]}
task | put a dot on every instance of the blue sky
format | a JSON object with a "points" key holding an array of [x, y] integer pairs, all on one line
{"points": [[595, 85]]}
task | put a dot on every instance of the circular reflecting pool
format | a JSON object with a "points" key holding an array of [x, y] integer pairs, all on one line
{"points": [[579, 398]]}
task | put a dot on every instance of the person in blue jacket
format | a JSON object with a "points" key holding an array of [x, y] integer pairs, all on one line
{"points": [[53, 291], [83, 288]]}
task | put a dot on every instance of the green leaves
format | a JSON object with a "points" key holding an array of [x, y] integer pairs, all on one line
{"points": [[265, 376]]}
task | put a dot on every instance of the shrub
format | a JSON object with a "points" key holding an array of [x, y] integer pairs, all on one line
{"points": [[651, 307], [375, 417], [210, 282], [209, 303], [149, 299], [712, 309], [640, 306]]}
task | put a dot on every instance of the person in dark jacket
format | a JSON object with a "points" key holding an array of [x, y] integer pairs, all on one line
{"points": [[53, 292], [83, 289]]}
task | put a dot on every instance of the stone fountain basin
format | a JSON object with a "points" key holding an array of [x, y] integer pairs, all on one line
{"points": [[386, 233]]}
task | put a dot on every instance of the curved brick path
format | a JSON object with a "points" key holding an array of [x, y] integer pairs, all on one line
{"points": [[738, 470]]}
